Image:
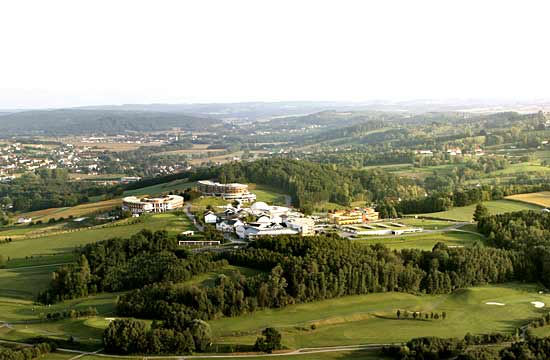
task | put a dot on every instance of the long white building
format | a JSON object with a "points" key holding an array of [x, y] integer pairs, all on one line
{"points": [[152, 205]]}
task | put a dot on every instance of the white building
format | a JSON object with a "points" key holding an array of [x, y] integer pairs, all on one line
{"points": [[210, 218], [156, 205]]}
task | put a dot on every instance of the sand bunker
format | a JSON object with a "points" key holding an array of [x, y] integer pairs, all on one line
{"points": [[494, 303], [538, 304]]}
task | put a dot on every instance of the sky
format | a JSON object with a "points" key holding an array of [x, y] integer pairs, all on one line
{"points": [[61, 53]]}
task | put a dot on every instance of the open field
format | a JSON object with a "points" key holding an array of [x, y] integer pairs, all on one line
{"points": [[466, 213], [426, 224], [540, 198], [371, 318], [424, 241], [66, 242], [176, 185], [336, 355], [267, 194], [75, 211]]}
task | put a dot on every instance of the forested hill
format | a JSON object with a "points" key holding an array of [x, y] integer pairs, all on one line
{"points": [[86, 122]]}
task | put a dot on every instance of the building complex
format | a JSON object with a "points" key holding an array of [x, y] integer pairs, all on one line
{"points": [[354, 216], [232, 191], [152, 205]]}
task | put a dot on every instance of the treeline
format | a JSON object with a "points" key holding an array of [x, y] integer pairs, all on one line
{"points": [[453, 348], [46, 189], [26, 353], [443, 201], [128, 336], [310, 183], [486, 347], [300, 269], [122, 264]]}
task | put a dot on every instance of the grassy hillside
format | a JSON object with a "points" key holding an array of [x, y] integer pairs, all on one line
{"points": [[466, 213], [371, 318], [75, 211], [424, 241], [66, 242]]}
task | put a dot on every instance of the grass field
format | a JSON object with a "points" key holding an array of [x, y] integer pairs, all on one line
{"points": [[75, 211], [336, 355], [466, 213], [426, 224], [539, 198], [267, 194], [424, 241], [371, 318], [65, 243], [176, 185]]}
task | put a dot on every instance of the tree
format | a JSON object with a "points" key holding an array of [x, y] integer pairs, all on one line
{"points": [[271, 340], [480, 212], [201, 333]]}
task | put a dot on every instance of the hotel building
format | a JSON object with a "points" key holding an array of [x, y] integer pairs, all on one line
{"points": [[152, 205]]}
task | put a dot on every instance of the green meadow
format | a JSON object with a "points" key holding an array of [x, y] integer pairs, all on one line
{"points": [[465, 213], [66, 242], [371, 318], [424, 241]]}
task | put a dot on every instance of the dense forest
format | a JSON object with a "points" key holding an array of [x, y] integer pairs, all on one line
{"points": [[87, 122]]}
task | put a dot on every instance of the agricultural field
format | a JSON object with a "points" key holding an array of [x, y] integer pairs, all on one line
{"points": [[540, 198], [66, 242], [465, 213], [371, 318], [75, 211], [424, 241]]}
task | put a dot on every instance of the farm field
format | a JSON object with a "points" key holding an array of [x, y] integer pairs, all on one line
{"points": [[540, 198], [371, 318], [465, 213], [75, 211], [424, 241], [66, 242]]}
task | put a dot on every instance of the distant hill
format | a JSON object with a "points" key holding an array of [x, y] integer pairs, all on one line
{"points": [[79, 121]]}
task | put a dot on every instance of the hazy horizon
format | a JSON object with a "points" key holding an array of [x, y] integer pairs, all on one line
{"points": [[71, 54]]}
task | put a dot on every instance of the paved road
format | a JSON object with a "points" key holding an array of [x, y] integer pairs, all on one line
{"points": [[302, 351], [37, 266]]}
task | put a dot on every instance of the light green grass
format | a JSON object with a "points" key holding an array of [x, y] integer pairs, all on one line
{"points": [[267, 194], [176, 185], [371, 318], [426, 224], [336, 355], [67, 242], [75, 211], [465, 213], [424, 241]]}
